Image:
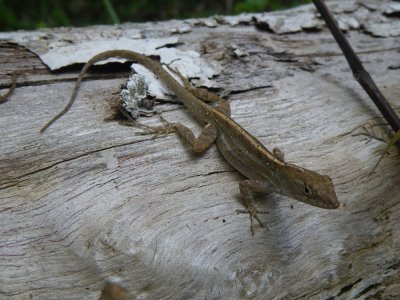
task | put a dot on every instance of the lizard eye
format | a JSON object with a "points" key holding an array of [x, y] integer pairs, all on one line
{"points": [[307, 190]]}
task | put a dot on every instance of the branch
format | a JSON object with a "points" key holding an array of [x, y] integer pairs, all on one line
{"points": [[360, 74]]}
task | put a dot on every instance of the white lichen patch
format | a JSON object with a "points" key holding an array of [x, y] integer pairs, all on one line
{"points": [[132, 96], [143, 83]]}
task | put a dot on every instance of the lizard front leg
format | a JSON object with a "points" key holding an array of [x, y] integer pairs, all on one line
{"points": [[278, 153], [247, 189], [198, 144], [206, 138]]}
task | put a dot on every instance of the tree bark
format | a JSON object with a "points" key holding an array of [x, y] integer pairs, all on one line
{"points": [[90, 201]]}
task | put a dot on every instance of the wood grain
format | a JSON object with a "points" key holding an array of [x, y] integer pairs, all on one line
{"points": [[89, 201]]}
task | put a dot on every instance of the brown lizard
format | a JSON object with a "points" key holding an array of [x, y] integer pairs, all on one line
{"points": [[266, 171]]}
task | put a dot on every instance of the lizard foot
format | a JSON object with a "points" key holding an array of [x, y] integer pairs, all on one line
{"points": [[162, 130], [156, 131], [252, 211]]}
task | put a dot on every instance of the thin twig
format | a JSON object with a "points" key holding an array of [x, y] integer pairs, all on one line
{"points": [[4, 98], [360, 74]]}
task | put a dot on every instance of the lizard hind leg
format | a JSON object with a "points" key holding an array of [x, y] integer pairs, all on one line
{"points": [[247, 188]]}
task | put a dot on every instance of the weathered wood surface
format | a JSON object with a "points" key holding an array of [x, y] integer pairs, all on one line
{"points": [[89, 201]]}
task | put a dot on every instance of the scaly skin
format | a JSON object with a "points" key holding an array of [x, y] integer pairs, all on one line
{"points": [[265, 171]]}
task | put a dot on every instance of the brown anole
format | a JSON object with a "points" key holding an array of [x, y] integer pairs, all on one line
{"points": [[265, 171]]}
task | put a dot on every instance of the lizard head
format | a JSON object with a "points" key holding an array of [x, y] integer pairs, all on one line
{"points": [[309, 187]]}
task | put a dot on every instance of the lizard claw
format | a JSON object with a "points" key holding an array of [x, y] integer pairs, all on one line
{"points": [[156, 131], [165, 129], [253, 215]]}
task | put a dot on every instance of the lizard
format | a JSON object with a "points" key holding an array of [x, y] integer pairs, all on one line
{"points": [[266, 171]]}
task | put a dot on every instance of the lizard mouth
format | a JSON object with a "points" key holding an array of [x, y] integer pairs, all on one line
{"points": [[336, 204], [331, 205]]}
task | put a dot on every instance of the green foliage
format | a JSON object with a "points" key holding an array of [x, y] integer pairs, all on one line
{"points": [[28, 14], [251, 5], [265, 5], [111, 12]]}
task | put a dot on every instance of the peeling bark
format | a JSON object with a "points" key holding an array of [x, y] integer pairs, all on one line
{"points": [[90, 202]]}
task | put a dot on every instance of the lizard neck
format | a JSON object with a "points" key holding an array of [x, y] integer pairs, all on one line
{"points": [[196, 107]]}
